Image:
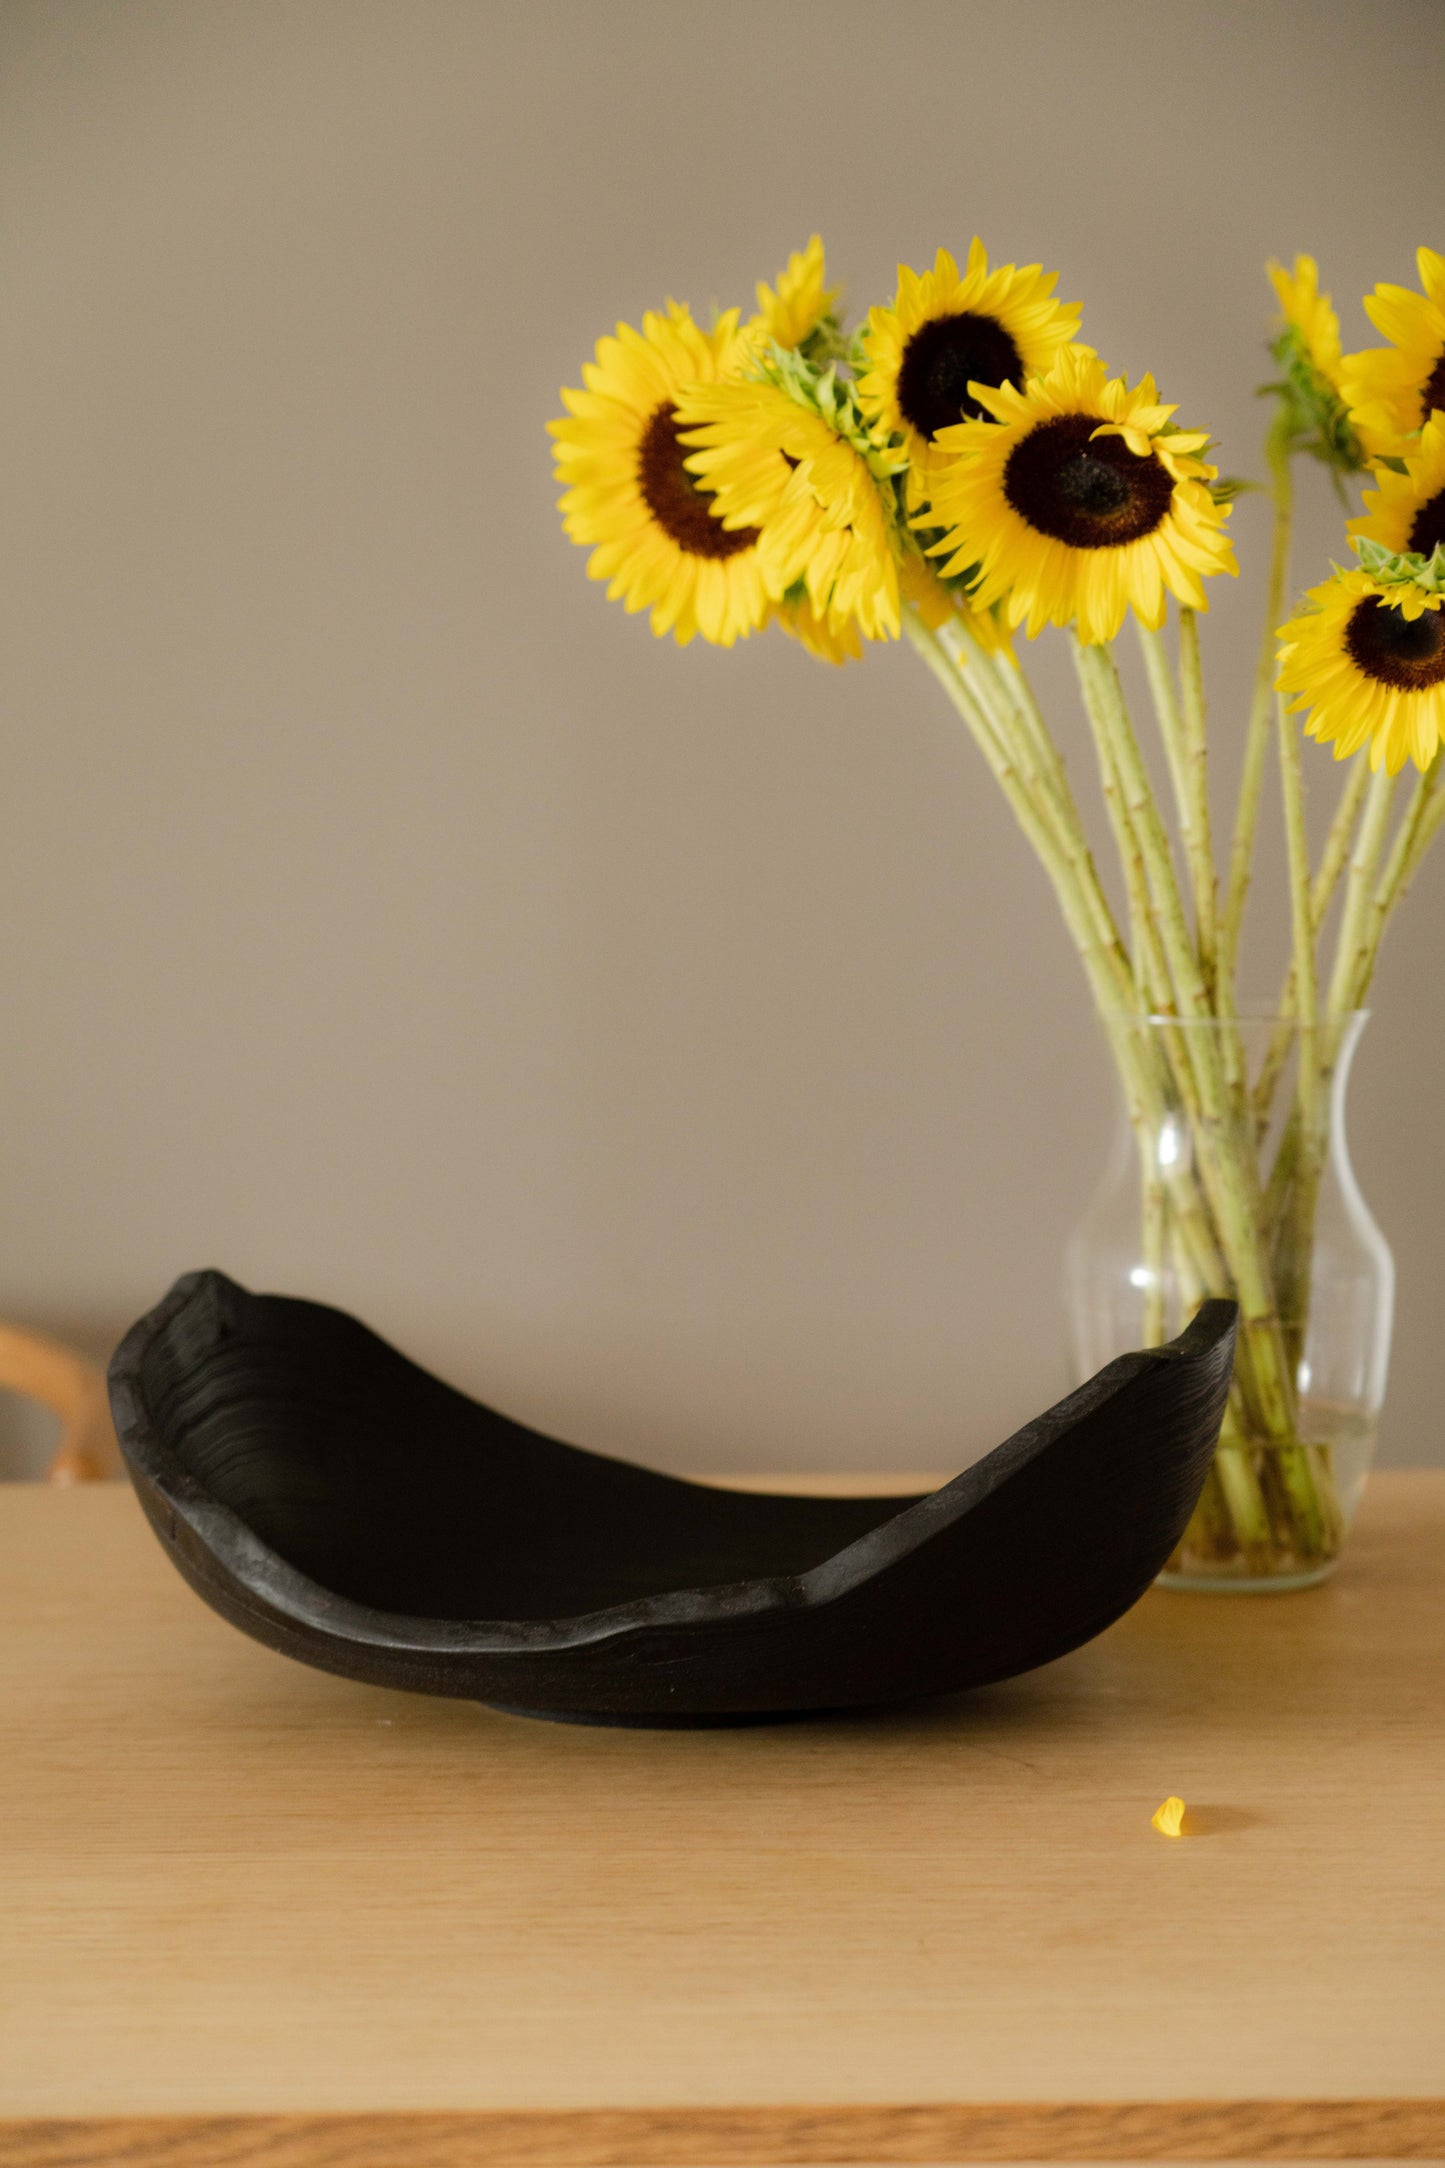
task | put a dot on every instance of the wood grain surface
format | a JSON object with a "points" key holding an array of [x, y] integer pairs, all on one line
{"points": [[1278, 2130], [251, 1914]]}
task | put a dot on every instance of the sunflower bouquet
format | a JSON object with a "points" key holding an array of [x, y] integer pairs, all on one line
{"points": [[962, 468]]}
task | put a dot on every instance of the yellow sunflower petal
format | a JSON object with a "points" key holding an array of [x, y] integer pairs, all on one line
{"points": [[793, 309], [1407, 511]]}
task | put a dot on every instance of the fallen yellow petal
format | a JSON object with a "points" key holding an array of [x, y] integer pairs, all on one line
{"points": [[1169, 1818]]}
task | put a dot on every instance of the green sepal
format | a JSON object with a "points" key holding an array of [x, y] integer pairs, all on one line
{"points": [[1317, 420], [823, 392], [1401, 568], [919, 535], [827, 342]]}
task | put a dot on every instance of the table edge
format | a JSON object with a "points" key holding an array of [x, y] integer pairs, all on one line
{"points": [[744, 2137]]}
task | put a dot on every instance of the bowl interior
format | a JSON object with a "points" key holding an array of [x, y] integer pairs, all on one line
{"points": [[385, 1485]]}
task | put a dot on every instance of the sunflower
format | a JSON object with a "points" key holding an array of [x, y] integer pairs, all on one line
{"points": [[1393, 390], [946, 332], [793, 310], [1307, 350], [807, 484], [801, 621], [655, 533], [1407, 511], [1074, 501], [1310, 314], [1368, 661]]}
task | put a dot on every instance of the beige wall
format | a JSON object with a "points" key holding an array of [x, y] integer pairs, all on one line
{"points": [[677, 1047]]}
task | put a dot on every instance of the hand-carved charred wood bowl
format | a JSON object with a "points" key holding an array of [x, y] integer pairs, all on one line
{"points": [[347, 1508]]}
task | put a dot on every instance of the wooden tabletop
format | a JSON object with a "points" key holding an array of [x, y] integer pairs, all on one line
{"points": [[252, 1914]]}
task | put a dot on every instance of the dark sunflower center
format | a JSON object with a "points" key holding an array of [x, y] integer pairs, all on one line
{"points": [[673, 497], [943, 358], [1433, 394], [1406, 652], [1091, 492], [1429, 525]]}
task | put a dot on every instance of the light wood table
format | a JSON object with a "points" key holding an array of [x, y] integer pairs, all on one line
{"points": [[251, 1914]]}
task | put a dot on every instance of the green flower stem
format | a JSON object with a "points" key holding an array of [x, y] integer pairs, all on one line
{"points": [[1159, 1057], [1114, 734], [1204, 1219], [1199, 1264], [1224, 1137], [1223, 1145], [1012, 674], [1183, 735], [1162, 1058], [1119, 749], [1423, 819], [1151, 967], [1432, 814], [1013, 723], [1336, 852], [1016, 700], [1353, 951], [1107, 971], [1292, 1195], [1210, 1529], [1017, 686], [1151, 972], [1154, 1221], [1292, 1271], [1160, 674], [1256, 743], [1282, 1174], [1017, 719], [1105, 962], [1326, 880], [1242, 1494], [1413, 838], [1196, 742], [1271, 1069], [1302, 916]]}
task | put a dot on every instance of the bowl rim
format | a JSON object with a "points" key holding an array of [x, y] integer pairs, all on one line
{"points": [[266, 1578]]}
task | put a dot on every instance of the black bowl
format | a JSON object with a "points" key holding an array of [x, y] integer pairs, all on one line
{"points": [[347, 1508]]}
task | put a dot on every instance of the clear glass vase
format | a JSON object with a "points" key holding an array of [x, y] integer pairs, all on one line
{"points": [[1225, 1179]]}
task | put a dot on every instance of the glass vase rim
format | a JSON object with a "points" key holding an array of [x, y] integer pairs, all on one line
{"points": [[1269, 1018]]}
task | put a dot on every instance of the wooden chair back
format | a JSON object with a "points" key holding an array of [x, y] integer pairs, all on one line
{"points": [[61, 1378]]}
